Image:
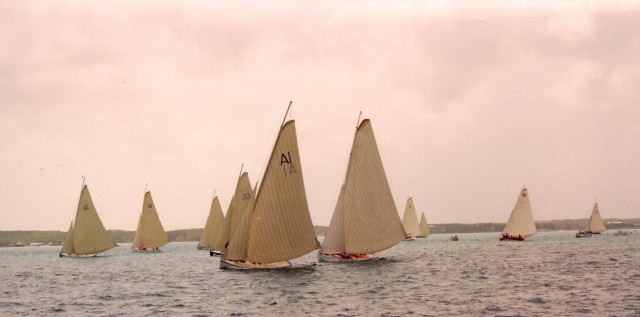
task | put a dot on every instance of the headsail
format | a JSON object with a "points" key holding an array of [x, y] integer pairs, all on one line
{"points": [[334, 238], [595, 224], [410, 219], [67, 247], [150, 233], [521, 221]]}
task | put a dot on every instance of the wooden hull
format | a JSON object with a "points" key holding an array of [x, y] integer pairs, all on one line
{"points": [[510, 238], [240, 265], [338, 258], [65, 255], [582, 234], [145, 250]]}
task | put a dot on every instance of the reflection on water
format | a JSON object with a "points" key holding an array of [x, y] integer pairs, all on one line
{"points": [[552, 274]]}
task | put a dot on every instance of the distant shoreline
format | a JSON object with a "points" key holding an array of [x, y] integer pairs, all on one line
{"points": [[36, 237]]}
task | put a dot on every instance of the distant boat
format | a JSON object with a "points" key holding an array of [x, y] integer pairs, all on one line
{"points": [[212, 226], [150, 235], [583, 234], [521, 224], [623, 233], [88, 237], [410, 221], [454, 238], [595, 224], [276, 226], [365, 219], [237, 206], [424, 227]]}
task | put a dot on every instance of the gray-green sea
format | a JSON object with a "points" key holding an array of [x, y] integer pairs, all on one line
{"points": [[551, 274]]}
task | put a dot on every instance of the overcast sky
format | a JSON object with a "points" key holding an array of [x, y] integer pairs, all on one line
{"points": [[469, 102]]}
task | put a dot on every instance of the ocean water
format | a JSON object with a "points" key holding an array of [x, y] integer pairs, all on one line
{"points": [[552, 274]]}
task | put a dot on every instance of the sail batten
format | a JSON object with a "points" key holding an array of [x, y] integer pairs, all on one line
{"points": [[150, 233], [371, 222], [595, 224], [521, 221]]}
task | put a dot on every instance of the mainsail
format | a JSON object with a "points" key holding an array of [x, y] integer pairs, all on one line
{"points": [[424, 227], [365, 219], [277, 225], [213, 225], [87, 235], [521, 221], [410, 219], [150, 233], [235, 211], [595, 224]]}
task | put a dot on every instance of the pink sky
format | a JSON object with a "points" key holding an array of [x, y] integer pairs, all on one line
{"points": [[468, 103]]}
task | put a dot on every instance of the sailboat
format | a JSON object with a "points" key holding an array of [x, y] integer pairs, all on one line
{"points": [[212, 226], [236, 208], [520, 225], [595, 224], [276, 226], [150, 235], [410, 221], [424, 227], [88, 237], [365, 219]]}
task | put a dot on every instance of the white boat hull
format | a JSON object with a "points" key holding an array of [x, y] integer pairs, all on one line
{"points": [[215, 253]]}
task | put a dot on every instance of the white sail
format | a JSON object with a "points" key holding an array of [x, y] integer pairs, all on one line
{"points": [[238, 246], [212, 226], [277, 227], [88, 234], [334, 238], [150, 233], [67, 246], [237, 206], [595, 224], [521, 221], [410, 219], [365, 214], [424, 226]]}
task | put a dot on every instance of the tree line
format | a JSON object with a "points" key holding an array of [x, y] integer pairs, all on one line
{"points": [[14, 238]]}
